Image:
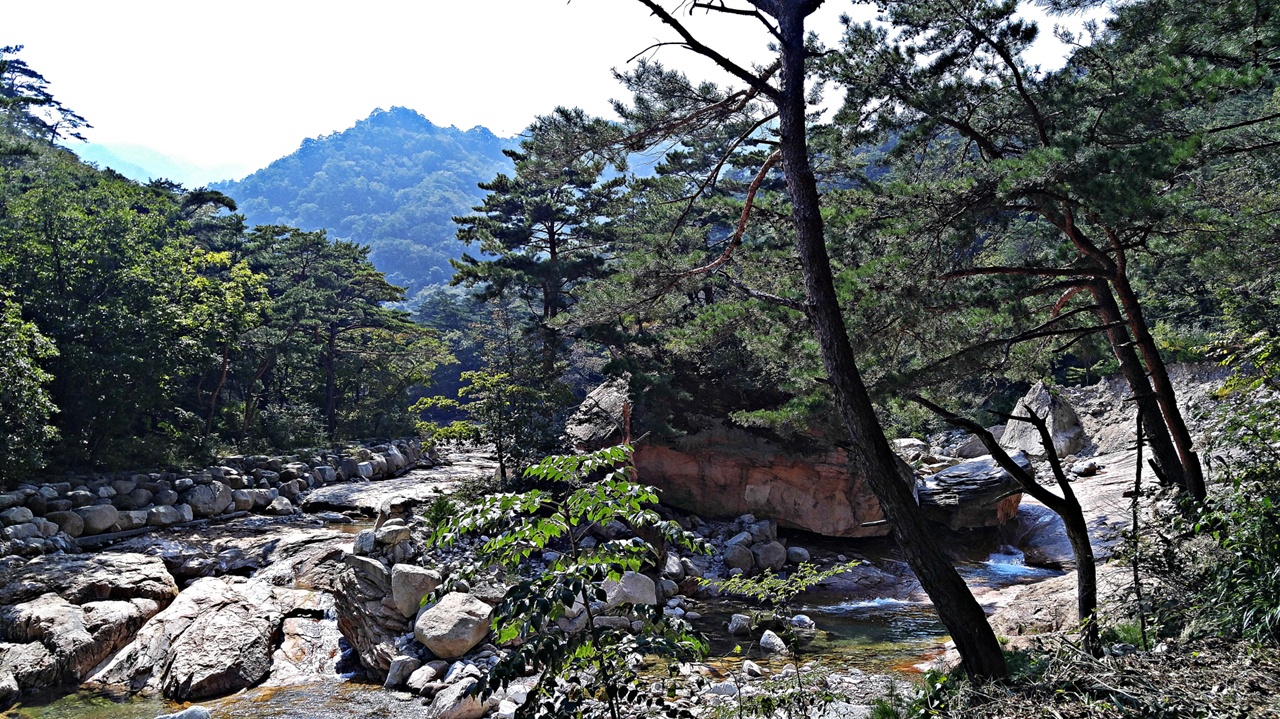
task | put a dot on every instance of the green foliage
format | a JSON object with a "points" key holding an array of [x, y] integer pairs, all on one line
{"points": [[25, 405], [392, 182], [26, 105], [776, 590], [587, 671]]}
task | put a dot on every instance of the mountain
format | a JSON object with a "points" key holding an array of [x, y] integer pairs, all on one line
{"points": [[393, 181], [143, 164]]}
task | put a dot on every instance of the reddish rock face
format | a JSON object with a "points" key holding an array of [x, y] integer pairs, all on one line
{"points": [[727, 472]]}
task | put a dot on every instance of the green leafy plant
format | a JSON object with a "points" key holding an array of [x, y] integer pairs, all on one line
{"points": [[556, 618]]}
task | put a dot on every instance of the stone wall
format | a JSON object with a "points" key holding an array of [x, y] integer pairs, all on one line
{"points": [[40, 518]]}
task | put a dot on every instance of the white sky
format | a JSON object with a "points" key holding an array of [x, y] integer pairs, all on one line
{"points": [[240, 83]]}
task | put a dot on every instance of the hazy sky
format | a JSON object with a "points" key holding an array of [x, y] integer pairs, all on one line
{"points": [[238, 83]]}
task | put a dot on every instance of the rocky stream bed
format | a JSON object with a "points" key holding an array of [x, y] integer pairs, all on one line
{"points": [[315, 612]]}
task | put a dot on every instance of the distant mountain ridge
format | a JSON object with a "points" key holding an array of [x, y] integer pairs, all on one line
{"points": [[143, 164], [393, 181]]}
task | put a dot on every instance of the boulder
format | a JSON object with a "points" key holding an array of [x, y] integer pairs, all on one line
{"points": [[453, 625], [206, 500], [83, 578], [75, 638], [737, 556], [457, 702], [725, 472], [910, 449], [409, 584], [797, 555], [972, 445], [402, 667], [739, 625], [633, 588], [163, 516], [597, 423], [69, 523], [973, 494], [280, 506], [131, 519], [216, 638], [15, 515], [1063, 424], [98, 518], [771, 556], [367, 618], [771, 643]]}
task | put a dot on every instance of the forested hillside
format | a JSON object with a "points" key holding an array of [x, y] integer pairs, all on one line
{"points": [[147, 324], [392, 182]]}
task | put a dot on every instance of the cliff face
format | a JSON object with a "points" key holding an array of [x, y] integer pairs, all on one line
{"points": [[725, 472]]}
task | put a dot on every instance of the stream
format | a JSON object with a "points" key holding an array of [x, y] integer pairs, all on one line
{"points": [[886, 626]]}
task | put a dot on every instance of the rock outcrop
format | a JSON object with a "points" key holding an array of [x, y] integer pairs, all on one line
{"points": [[973, 494], [1063, 424], [216, 638], [60, 615], [725, 472]]}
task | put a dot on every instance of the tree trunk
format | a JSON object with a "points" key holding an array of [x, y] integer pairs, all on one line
{"points": [[331, 385], [1160, 381], [1135, 375], [868, 447]]}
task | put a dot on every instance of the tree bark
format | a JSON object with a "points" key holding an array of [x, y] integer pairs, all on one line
{"points": [[1163, 386], [868, 447], [1166, 456]]}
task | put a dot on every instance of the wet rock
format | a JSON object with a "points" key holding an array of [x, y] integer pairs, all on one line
{"points": [[453, 625], [409, 584], [739, 625], [195, 712], [308, 651], [752, 669], [797, 555]]}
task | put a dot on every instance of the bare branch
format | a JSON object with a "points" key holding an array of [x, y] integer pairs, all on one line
{"points": [[725, 63]]}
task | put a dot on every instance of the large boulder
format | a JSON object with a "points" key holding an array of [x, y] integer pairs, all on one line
{"points": [[98, 518], [367, 616], [598, 421], [62, 615], [206, 500], [409, 584], [973, 494], [727, 472], [454, 625], [1063, 424], [216, 638], [632, 588], [83, 578]]}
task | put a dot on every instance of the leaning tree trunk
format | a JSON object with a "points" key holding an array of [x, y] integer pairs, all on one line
{"points": [[869, 449], [1166, 456]]}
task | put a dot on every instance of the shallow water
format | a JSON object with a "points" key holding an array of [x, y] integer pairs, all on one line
{"points": [[884, 634]]}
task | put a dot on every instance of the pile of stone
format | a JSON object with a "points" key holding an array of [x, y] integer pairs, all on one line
{"points": [[45, 518]]}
